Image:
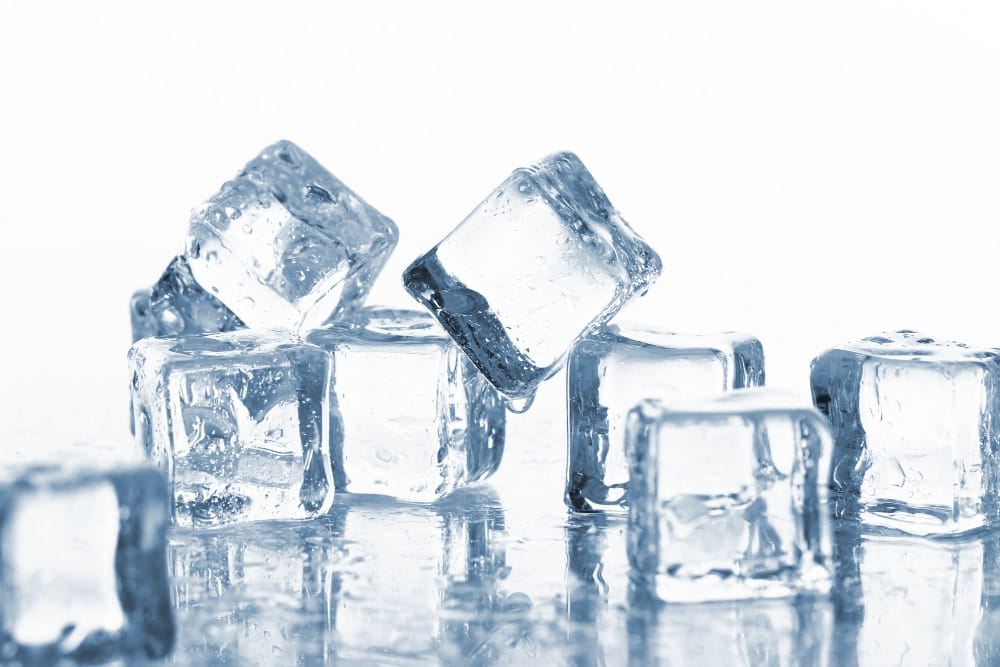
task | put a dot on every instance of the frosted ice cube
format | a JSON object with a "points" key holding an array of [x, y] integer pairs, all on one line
{"points": [[541, 261], [610, 371], [727, 498], [410, 416], [178, 306], [82, 566], [238, 422], [917, 429], [286, 244]]}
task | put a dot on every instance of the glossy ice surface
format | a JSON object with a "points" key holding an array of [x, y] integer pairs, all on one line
{"points": [[917, 428], [178, 306], [82, 566], [410, 416], [727, 498], [286, 244], [538, 263], [237, 422], [518, 580], [610, 371]]}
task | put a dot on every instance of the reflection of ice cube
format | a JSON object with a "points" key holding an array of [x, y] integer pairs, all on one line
{"points": [[428, 575], [286, 244], [81, 566], [751, 633], [178, 306], [610, 371], [915, 422], [728, 498], [260, 596], [539, 262], [410, 416], [921, 600], [238, 421]]}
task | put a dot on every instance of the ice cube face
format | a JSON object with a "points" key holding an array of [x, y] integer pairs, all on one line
{"points": [[238, 423], [83, 566], [610, 371], [410, 416], [178, 306], [917, 429], [285, 244], [541, 261], [728, 498]]}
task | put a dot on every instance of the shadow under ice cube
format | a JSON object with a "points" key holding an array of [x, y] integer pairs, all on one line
{"points": [[238, 423], [286, 244], [410, 416], [727, 498], [610, 371], [83, 566], [537, 264], [917, 429]]}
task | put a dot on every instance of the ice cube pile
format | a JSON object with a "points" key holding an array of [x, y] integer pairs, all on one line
{"points": [[262, 384]]}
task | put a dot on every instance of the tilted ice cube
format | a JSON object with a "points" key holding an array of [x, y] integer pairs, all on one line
{"points": [[610, 371], [286, 244], [727, 498], [83, 566], [409, 414], [238, 422], [178, 306], [544, 259], [917, 429]]}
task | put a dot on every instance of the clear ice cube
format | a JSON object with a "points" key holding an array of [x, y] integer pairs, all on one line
{"points": [[178, 306], [727, 498], [541, 261], [286, 244], [917, 430], [238, 422], [610, 371], [82, 566], [410, 416]]}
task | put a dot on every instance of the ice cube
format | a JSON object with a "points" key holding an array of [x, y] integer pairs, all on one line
{"points": [[178, 306], [610, 371], [410, 416], [82, 566], [541, 261], [727, 498], [238, 422], [917, 427], [286, 244]]}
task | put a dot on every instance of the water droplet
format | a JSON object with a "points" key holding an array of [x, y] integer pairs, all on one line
{"points": [[519, 405], [384, 455]]}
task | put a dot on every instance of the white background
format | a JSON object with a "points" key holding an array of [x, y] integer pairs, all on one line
{"points": [[808, 173]]}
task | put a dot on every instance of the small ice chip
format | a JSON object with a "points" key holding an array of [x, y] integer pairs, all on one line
{"points": [[285, 244], [238, 422], [916, 422], [610, 371], [727, 498], [539, 263], [83, 566]]}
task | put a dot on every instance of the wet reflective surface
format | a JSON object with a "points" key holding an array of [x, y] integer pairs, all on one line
{"points": [[502, 574]]}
